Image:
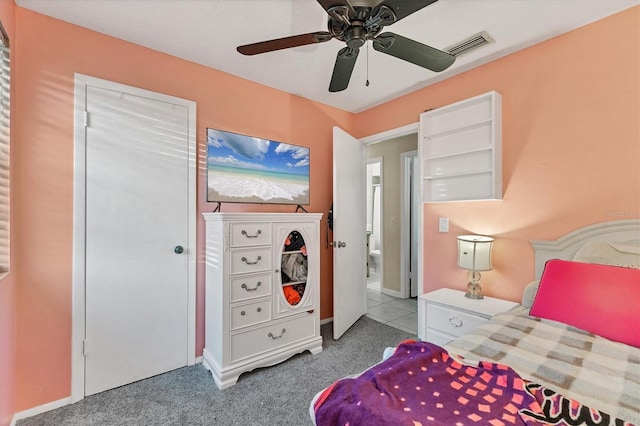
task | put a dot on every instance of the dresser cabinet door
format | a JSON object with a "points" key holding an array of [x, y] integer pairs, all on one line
{"points": [[294, 249]]}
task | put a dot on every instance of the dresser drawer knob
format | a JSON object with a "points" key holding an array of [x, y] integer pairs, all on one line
{"points": [[284, 330], [243, 313], [245, 260], [259, 309], [258, 284], [251, 236], [455, 321]]}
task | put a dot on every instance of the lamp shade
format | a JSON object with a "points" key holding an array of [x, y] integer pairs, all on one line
{"points": [[474, 252]]}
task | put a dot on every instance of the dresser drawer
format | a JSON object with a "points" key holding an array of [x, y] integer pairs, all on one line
{"points": [[250, 287], [450, 321], [250, 234], [250, 314], [253, 342], [255, 260]]}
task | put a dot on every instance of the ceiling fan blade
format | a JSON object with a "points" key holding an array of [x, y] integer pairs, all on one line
{"points": [[412, 51], [284, 43], [345, 61], [402, 8], [341, 10]]}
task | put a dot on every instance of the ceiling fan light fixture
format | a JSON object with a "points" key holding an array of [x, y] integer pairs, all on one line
{"points": [[354, 22], [470, 44], [355, 36]]}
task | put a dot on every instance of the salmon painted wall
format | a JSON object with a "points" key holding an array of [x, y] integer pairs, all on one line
{"points": [[567, 119], [50, 52], [8, 284], [571, 148]]}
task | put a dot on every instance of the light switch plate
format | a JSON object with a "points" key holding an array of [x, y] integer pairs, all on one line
{"points": [[443, 224]]}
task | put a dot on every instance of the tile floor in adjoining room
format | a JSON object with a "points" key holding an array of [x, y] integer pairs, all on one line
{"points": [[395, 312]]}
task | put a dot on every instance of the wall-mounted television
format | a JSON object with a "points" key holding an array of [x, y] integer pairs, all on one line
{"points": [[246, 169]]}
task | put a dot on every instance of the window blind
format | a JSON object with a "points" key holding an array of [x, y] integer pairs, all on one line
{"points": [[4, 150]]}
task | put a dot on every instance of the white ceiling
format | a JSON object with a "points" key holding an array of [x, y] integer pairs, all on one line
{"points": [[208, 31]]}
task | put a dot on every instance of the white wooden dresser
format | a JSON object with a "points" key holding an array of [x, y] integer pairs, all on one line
{"points": [[251, 318]]}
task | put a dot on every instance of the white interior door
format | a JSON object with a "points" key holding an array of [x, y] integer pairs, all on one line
{"points": [[349, 231], [137, 238]]}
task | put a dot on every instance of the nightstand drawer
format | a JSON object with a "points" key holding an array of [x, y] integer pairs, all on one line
{"points": [[451, 321], [437, 337]]}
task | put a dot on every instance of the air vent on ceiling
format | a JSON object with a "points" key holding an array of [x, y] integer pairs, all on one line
{"points": [[467, 45]]}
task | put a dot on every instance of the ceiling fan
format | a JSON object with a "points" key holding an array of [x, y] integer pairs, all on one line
{"points": [[355, 22]]}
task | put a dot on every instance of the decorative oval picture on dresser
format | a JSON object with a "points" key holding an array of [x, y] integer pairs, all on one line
{"points": [[294, 268]]}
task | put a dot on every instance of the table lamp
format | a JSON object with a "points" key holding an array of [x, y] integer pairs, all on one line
{"points": [[474, 254]]}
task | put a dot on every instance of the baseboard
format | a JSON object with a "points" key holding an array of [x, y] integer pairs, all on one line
{"points": [[392, 293], [53, 405], [40, 409], [326, 321]]}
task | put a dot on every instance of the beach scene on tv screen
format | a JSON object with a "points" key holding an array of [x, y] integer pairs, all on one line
{"points": [[247, 169]]}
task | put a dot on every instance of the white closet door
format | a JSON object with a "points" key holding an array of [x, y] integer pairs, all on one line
{"points": [[136, 219]]}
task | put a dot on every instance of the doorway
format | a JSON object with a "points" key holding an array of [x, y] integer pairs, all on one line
{"points": [[374, 223], [392, 259], [134, 235]]}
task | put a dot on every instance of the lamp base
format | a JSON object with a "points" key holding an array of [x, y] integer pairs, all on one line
{"points": [[474, 286], [473, 296]]}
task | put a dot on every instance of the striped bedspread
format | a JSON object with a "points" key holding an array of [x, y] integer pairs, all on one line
{"points": [[597, 372]]}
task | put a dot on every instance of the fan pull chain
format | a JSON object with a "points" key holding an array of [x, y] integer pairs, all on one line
{"points": [[367, 82]]}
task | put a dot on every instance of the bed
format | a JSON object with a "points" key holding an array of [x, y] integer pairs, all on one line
{"points": [[568, 355]]}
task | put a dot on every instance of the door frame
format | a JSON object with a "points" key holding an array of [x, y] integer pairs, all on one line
{"points": [[81, 81], [408, 129], [407, 180]]}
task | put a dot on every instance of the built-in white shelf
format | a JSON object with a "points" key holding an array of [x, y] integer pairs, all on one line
{"points": [[461, 150]]}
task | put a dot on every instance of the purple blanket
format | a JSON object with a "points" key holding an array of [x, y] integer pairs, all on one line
{"points": [[420, 384]]}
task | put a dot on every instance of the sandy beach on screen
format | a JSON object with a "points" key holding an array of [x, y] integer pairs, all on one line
{"points": [[233, 187]]}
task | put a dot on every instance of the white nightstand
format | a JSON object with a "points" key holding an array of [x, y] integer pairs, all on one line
{"points": [[445, 314]]}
